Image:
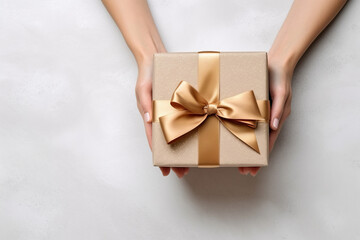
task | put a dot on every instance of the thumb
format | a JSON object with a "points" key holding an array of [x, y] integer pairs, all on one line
{"points": [[146, 105], [277, 108], [145, 100]]}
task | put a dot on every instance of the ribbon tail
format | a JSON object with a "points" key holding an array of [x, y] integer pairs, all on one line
{"points": [[175, 125], [242, 132]]}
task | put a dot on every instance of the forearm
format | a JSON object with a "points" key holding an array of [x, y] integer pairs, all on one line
{"points": [[304, 22], [134, 19]]}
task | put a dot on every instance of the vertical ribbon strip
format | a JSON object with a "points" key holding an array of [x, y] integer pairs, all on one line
{"points": [[208, 87]]}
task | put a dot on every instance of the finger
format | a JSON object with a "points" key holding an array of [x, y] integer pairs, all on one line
{"points": [[148, 127], [148, 131], [165, 171], [180, 171], [145, 100], [241, 170], [254, 171], [145, 107], [247, 170], [275, 133], [278, 102], [244, 170]]}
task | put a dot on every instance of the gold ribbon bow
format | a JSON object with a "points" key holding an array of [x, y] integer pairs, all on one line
{"points": [[203, 110]]}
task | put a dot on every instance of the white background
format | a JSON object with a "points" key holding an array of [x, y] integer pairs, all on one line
{"points": [[74, 160]]}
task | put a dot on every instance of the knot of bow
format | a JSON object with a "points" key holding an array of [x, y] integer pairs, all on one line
{"points": [[239, 114]]}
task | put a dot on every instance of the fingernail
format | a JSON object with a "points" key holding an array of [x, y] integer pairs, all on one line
{"points": [[276, 123], [247, 171], [147, 116]]}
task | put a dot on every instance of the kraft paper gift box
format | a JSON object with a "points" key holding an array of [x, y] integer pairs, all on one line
{"points": [[210, 109]]}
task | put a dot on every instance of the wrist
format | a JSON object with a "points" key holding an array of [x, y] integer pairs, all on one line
{"points": [[145, 57], [282, 59]]}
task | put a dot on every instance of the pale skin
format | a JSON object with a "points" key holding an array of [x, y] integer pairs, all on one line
{"points": [[304, 22]]}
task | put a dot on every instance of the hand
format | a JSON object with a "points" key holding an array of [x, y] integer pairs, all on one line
{"points": [[143, 91], [280, 76]]}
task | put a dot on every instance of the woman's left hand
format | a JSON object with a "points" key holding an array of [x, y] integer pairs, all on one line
{"points": [[280, 75]]}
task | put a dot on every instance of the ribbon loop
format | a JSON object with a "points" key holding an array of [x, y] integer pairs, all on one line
{"points": [[186, 97]]}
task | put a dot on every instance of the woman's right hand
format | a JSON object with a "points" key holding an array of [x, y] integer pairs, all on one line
{"points": [[143, 91]]}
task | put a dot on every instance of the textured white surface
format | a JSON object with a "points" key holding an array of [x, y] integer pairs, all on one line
{"points": [[74, 160]]}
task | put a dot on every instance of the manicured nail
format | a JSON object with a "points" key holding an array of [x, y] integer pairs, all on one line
{"points": [[276, 123], [247, 171], [147, 116]]}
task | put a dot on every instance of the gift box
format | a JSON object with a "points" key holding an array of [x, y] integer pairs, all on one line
{"points": [[210, 109]]}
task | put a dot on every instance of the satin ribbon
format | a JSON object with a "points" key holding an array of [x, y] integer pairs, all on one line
{"points": [[191, 109]]}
